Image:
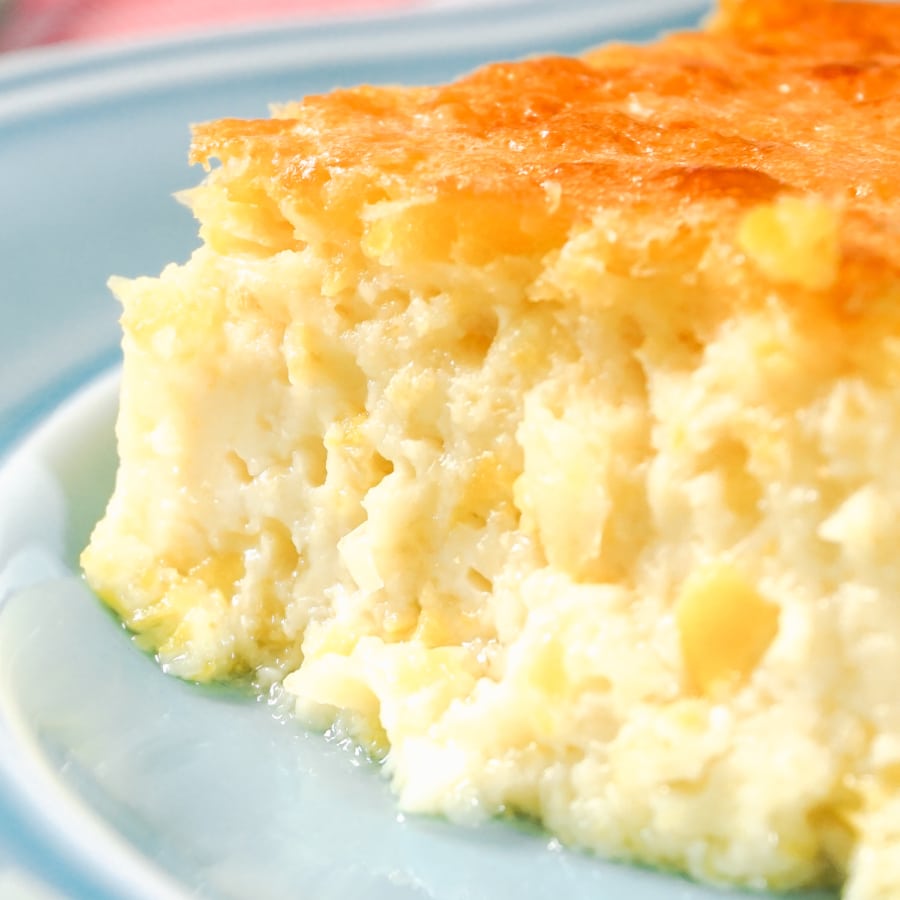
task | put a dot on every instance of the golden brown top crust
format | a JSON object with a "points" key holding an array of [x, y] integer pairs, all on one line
{"points": [[773, 98]]}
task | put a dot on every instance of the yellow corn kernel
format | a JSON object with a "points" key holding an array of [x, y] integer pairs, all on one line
{"points": [[793, 241], [724, 625]]}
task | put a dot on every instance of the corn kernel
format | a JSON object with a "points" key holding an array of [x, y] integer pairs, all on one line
{"points": [[725, 627], [793, 241]]}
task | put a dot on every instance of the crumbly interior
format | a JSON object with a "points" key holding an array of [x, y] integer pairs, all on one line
{"points": [[551, 545], [592, 519]]}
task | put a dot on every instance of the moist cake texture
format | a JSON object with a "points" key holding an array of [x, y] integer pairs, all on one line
{"points": [[540, 430]]}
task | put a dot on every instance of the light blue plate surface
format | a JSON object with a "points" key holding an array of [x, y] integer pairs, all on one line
{"points": [[115, 781]]}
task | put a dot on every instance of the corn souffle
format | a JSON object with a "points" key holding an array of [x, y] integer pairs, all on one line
{"points": [[537, 431]]}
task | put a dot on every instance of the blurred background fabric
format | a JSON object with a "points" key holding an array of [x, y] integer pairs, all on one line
{"points": [[30, 23]]}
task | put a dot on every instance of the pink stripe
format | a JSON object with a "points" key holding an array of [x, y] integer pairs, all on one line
{"points": [[32, 22]]}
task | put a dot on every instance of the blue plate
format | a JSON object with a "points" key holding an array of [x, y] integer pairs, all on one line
{"points": [[116, 781]]}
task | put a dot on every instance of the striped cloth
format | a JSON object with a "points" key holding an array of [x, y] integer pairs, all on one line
{"points": [[28, 23]]}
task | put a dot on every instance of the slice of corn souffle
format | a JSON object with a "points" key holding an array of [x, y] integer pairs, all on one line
{"points": [[541, 430]]}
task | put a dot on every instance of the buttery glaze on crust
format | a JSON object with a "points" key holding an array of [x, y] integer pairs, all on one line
{"points": [[776, 98]]}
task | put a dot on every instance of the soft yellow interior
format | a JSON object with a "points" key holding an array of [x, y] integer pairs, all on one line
{"points": [[535, 515]]}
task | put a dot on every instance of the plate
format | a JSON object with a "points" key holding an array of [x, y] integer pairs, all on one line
{"points": [[115, 781]]}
